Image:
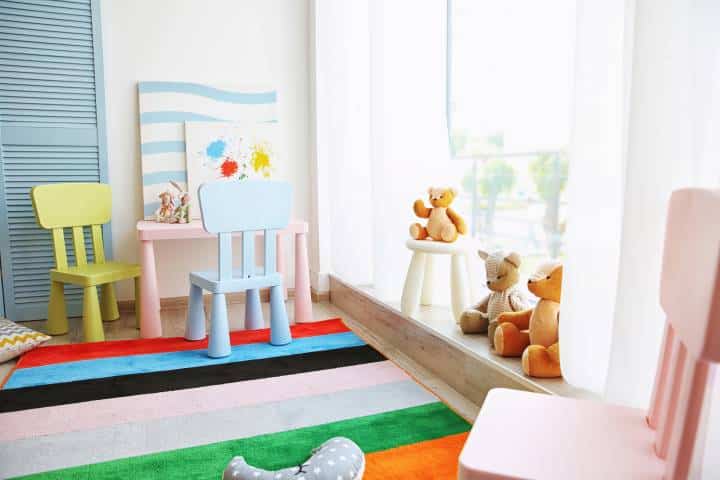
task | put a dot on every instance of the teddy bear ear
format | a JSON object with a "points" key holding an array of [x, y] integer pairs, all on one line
{"points": [[453, 191], [483, 255], [430, 189], [513, 259]]}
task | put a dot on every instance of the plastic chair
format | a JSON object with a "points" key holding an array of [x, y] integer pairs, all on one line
{"points": [[529, 435], [76, 206], [246, 206]]}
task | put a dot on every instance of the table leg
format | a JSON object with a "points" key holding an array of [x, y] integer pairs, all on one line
{"points": [[458, 285], [150, 325], [281, 259], [303, 298]]}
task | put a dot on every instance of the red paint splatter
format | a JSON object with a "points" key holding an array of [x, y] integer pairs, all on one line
{"points": [[229, 167]]}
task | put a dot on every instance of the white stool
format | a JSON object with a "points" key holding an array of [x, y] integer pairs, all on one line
{"points": [[418, 287]]}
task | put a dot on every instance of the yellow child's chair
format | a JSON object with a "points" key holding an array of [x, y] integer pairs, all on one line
{"points": [[75, 206]]}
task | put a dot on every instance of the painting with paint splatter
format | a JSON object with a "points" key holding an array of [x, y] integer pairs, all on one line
{"points": [[217, 151], [165, 106]]}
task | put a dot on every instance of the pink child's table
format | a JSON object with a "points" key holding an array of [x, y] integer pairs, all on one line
{"points": [[150, 232]]}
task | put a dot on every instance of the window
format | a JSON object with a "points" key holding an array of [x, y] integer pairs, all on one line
{"points": [[510, 65]]}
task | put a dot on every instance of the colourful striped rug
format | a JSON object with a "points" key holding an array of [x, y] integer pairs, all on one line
{"points": [[161, 409]]}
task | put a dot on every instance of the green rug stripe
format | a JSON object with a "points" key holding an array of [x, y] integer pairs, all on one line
{"points": [[273, 451]]}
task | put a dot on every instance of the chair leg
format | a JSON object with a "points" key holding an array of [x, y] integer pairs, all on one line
{"points": [[195, 324], [108, 304], [57, 323], [138, 302], [92, 320], [219, 343], [279, 324], [253, 310]]}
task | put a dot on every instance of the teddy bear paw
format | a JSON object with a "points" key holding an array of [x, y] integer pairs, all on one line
{"points": [[418, 232], [473, 321], [541, 362]]}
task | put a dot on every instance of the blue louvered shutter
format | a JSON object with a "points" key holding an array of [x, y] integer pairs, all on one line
{"points": [[52, 130]]}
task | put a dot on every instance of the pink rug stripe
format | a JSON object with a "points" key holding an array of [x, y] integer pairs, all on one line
{"points": [[113, 411]]}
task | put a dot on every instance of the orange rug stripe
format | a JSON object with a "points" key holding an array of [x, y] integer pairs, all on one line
{"points": [[433, 459]]}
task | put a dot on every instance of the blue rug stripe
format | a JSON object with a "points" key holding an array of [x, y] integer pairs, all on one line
{"points": [[160, 362]]}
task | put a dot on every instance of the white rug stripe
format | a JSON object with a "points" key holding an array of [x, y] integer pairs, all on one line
{"points": [[51, 452], [113, 411]]}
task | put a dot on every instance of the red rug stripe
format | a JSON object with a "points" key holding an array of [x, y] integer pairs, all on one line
{"points": [[118, 348]]}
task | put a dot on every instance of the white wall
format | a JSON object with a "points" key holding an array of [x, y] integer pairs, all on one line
{"points": [[244, 43]]}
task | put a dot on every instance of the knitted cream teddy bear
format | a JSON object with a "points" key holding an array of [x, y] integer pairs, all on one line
{"points": [[505, 296]]}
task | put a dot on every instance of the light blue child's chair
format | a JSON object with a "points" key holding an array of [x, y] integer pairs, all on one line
{"points": [[246, 207]]}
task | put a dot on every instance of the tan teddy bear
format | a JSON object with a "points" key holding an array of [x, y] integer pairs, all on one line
{"points": [[502, 276], [443, 223], [533, 333]]}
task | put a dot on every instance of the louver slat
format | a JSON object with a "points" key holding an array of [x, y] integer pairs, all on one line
{"points": [[49, 132]]}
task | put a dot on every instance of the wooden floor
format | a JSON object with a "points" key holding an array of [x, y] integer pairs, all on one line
{"points": [[173, 321]]}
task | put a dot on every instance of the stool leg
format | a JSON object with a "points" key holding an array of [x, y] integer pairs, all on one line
{"points": [[458, 285], [426, 298], [108, 305], [195, 323], [219, 343], [279, 324], [253, 310], [92, 320], [472, 276], [57, 323], [413, 283]]}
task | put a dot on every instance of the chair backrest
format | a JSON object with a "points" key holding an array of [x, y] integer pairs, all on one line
{"points": [[245, 206], [73, 205], [690, 298]]}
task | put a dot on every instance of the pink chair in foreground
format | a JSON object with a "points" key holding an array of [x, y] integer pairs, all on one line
{"points": [[529, 435]]}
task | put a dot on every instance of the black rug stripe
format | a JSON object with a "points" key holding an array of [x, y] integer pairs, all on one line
{"points": [[126, 385]]}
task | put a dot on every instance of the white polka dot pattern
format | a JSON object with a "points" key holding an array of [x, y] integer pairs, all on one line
{"points": [[337, 459]]}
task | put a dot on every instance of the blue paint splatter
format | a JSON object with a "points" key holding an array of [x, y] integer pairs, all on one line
{"points": [[216, 149]]}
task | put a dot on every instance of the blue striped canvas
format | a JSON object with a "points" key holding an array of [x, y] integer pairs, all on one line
{"points": [[165, 106]]}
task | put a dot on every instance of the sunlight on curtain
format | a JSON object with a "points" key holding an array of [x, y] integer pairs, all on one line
{"points": [[384, 90], [646, 119], [594, 190], [343, 133], [408, 132]]}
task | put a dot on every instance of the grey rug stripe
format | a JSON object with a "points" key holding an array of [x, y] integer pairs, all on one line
{"points": [[52, 452]]}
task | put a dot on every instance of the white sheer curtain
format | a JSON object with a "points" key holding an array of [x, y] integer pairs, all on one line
{"points": [[646, 118], [382, 128], [646, 121]]}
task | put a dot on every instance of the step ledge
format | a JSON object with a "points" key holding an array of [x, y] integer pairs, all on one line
{"points": [[469, 352]]}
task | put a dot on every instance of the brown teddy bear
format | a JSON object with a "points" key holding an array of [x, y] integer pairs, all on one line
{"points": [[533, 333], [502, 276], [443, 223]]}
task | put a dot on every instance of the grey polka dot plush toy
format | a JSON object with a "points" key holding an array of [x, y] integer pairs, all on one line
{"points": [[337, 459]]}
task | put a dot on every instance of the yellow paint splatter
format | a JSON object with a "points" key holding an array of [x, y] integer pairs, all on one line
{"points": [[260, 159]]}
